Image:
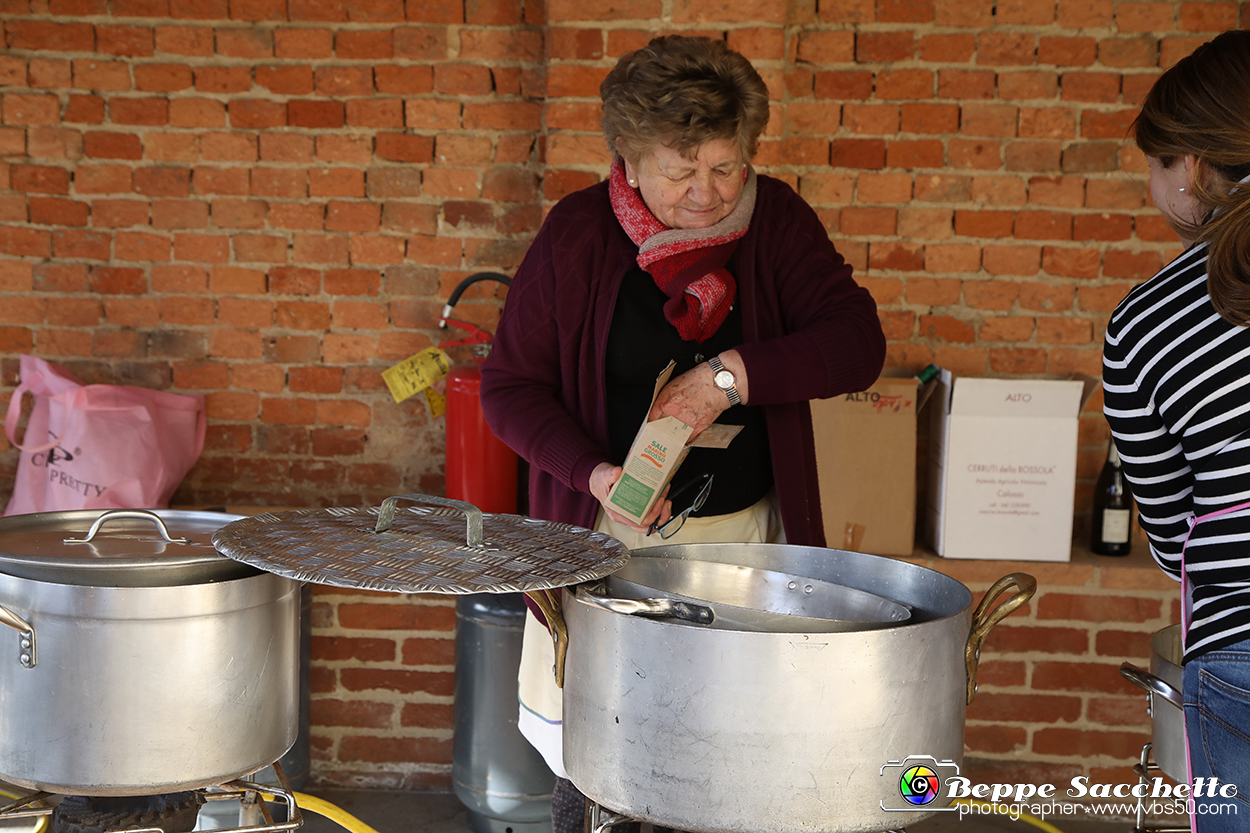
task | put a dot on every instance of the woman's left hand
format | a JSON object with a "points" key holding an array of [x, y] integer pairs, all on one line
{"points": [[694, 398]]}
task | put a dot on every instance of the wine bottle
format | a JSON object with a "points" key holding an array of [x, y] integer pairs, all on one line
{"points": [[1112, 520]]}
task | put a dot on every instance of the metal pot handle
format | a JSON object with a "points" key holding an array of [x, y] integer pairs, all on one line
{"points": [[650, 608], [987, 616], [472, 516], [1151, 684], [132, 514], [27, 635]]}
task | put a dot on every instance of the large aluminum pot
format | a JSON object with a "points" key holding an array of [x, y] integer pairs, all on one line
{"points": [[185, 678], [1167, 709], [723, 731]]}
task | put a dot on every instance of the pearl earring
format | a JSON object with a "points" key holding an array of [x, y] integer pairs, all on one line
{"points": [[633, 183], [1182, 190]]}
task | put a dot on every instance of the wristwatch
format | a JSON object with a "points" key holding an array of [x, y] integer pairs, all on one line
{"points": [[723, 379]]}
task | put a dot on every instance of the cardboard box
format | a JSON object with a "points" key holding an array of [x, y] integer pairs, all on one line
{"points": [[657, 451], [866, 463], [1002, 467]]}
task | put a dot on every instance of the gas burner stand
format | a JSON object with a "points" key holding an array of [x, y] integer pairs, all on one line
{"points": [[254, 814], [1145, 769]]}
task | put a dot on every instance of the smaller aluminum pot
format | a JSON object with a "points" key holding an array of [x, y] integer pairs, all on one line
{"points": [[1167, 710], [135, 660]]}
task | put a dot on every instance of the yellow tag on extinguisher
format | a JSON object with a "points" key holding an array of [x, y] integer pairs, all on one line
{"points": [[436, 401], [416, 373]]}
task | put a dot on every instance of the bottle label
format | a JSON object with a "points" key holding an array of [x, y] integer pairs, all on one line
{"points": [[1115, 523]]}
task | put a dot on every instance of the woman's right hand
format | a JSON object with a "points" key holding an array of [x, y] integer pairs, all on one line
{"points": [[604, 477]]}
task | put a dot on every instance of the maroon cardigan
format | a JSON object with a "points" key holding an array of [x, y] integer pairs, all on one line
{"points": [[810, 332]]}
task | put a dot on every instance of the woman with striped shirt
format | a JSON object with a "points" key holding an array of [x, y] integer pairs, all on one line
{"points": [[1176, 378]]}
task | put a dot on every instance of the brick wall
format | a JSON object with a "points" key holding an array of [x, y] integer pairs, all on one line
{"points": [[268, 201]]}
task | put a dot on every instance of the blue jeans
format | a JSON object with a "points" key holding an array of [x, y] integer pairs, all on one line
{"points": [[1216, 690]]}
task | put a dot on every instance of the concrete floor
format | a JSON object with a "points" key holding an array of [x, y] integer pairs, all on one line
{"points": [[407, 812]]}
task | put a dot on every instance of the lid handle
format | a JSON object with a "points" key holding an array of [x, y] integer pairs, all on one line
{"points": [[473, 515], [133, 514]]}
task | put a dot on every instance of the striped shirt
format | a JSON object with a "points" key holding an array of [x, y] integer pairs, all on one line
{"points": [[1176, 379]]}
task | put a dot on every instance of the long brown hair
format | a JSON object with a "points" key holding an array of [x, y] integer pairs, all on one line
{"points": [[1201, 108]]}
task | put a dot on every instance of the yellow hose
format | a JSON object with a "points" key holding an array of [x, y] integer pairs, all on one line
{"points": [[41, 822], [1024, 817], [322, 807]]}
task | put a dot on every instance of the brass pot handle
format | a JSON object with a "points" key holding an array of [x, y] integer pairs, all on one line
{"points": [[987, 616], [551, 604], [472, 515]]}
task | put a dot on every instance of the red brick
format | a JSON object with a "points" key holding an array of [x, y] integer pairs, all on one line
{"points": [[141, 247], [904, 257], [101, 75], [1131, 265], [1129, 52], [22, 109], [315, 113], [884, 47], [821, 118], [1043, 225], [952, 48], [1086, 743], [303, 43], [1072, 263], [1011, 260], [352, 713], [966, 84], [162, 77], [251, 42], [343, 81], [39, 179], [130, 41], [201, 248], [396, 617], [48, 73], [348, 150], [1047, 123], [404, 80], [1005, 48], [845, 86], [1046, 297], [1102, 227], [143, 111], [101, 145], [955, 257], [905, 84], [989, 120], [1064, 331], [372, 749], [1067, 51], [427, 715], [377, 113], [50, 211], [421, 43], [1028, 85], [930, 118], [364, 45], [1034, 155], [946, 328], [983, 223], [976, 154], [1145, 16], [1025, 708], [59, 37], [992, 294], [919, 153], [87, 245]]}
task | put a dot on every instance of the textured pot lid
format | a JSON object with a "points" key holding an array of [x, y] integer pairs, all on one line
{"points": [[450, 547], [116, 547]]}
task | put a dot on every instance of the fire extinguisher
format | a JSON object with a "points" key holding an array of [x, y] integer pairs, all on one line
{"points": [[480, 468]]}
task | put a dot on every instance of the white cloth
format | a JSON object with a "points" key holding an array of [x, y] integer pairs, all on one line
{"points": [[541, 715]]}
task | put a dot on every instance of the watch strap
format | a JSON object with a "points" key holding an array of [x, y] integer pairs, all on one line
{"points": [[718, 367]]}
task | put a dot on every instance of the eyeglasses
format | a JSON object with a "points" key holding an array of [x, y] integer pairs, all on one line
{"points": [[678, 520]]}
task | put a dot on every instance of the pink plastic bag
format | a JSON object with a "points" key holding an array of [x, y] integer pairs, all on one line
{"points": [[99, 446]]}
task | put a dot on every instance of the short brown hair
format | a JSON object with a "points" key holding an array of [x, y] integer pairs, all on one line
{"points": [[1201, 107], [681, 92]]}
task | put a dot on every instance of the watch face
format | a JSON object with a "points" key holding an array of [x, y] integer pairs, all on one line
{"points": [[724, 380]]}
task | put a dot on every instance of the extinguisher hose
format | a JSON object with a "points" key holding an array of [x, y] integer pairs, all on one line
{"points": [[469, 281]]}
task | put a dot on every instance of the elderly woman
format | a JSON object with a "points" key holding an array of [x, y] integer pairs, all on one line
{"points": [[1176, 378], [684, 254]]}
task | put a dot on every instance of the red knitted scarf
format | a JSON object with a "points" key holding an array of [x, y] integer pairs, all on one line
{"points": [[688, 265]]}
